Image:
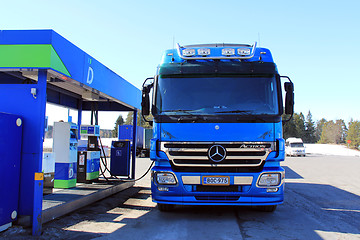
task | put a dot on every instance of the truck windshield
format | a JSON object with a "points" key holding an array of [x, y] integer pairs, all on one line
{"points": [[240, 95]]}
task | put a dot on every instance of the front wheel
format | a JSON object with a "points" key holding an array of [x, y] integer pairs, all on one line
{"points": [[165, 207], [267, 208]]}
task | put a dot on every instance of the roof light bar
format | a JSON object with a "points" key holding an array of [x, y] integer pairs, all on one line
{"points": [[243, 52]]}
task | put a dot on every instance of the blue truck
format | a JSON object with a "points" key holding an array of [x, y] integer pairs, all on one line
{"points": [[217, 126]]}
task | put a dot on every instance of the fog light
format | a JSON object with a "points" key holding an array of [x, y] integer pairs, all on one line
{"points": [[163, 189], [272, 189], [269, 179]]}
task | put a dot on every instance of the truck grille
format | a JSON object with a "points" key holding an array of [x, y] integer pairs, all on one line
{"points": [[237, 154]]}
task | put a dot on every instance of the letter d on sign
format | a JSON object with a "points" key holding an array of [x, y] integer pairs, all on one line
{"points": [[90, 76]]}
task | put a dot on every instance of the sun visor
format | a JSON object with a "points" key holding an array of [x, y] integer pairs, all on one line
{"points": [[217, 68]]}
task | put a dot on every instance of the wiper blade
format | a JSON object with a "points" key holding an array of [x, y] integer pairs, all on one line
{"points": [[180, 110], [235, 111], [189, 118]]}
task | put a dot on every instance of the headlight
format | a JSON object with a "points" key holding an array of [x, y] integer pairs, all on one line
{"points": [[165, 178], [269, 179]]}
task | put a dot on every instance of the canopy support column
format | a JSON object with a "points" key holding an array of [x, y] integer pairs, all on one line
{"points": [[38, 175], [79, 116], [134, 144]]}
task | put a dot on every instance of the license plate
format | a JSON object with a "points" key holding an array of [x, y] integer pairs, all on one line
{"points": [[216, 180]]}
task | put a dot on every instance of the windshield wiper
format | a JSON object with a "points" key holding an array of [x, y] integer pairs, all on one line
{"points": [[180, 110], [236, 111], [188, 118]]}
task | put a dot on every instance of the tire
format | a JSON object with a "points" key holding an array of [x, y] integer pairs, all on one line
{"points": [[267, 208], [165, 207]]}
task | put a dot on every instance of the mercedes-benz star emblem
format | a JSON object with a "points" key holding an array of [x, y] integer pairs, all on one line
{"points": [[217, 153]]}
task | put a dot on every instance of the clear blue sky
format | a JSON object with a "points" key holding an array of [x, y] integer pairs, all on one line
{"points": [[315, 43]]}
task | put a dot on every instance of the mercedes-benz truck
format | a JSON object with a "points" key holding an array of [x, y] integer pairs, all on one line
{"points": [[217, 126]]}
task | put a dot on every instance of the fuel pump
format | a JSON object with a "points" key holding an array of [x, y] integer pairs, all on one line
{"points": [[88, 154], [65, 144]]}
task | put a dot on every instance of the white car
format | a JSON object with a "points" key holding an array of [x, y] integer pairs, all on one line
{"points": [[294, 147]]}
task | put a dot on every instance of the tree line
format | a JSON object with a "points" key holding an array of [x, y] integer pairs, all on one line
{"points": [[322, 131]]}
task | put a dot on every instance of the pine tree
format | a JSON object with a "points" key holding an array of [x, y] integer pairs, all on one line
{"points": [[129, 119], [341, 131], [319, 128], [353, 134], [295, 127], [299, 121], [309, 129], [289, 128], [140, 120], [119, 121]]}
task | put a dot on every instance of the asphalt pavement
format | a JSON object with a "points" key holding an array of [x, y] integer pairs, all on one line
{"points": [[322, 201]]}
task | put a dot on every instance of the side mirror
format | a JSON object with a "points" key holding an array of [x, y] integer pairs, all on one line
{"points": [[289, 98], [145, 103]]}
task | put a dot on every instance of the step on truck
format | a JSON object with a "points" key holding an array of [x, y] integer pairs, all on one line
{"points": [[217, 126]]}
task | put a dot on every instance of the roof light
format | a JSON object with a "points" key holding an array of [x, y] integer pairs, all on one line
{"points": [[188, 52], [228, 51], [204, 51], [244, 51]]}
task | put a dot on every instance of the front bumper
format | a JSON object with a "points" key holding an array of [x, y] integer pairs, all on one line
{"points": [[297, 154], [239, 192]]}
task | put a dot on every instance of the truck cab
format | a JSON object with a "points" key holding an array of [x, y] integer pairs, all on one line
{"points": [[217, 127]]}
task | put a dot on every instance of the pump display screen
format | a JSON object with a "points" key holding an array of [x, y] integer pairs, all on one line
{"points": [[247, 95]]}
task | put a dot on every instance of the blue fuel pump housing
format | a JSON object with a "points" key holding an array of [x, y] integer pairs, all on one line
{"points": [[120, 158]]}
